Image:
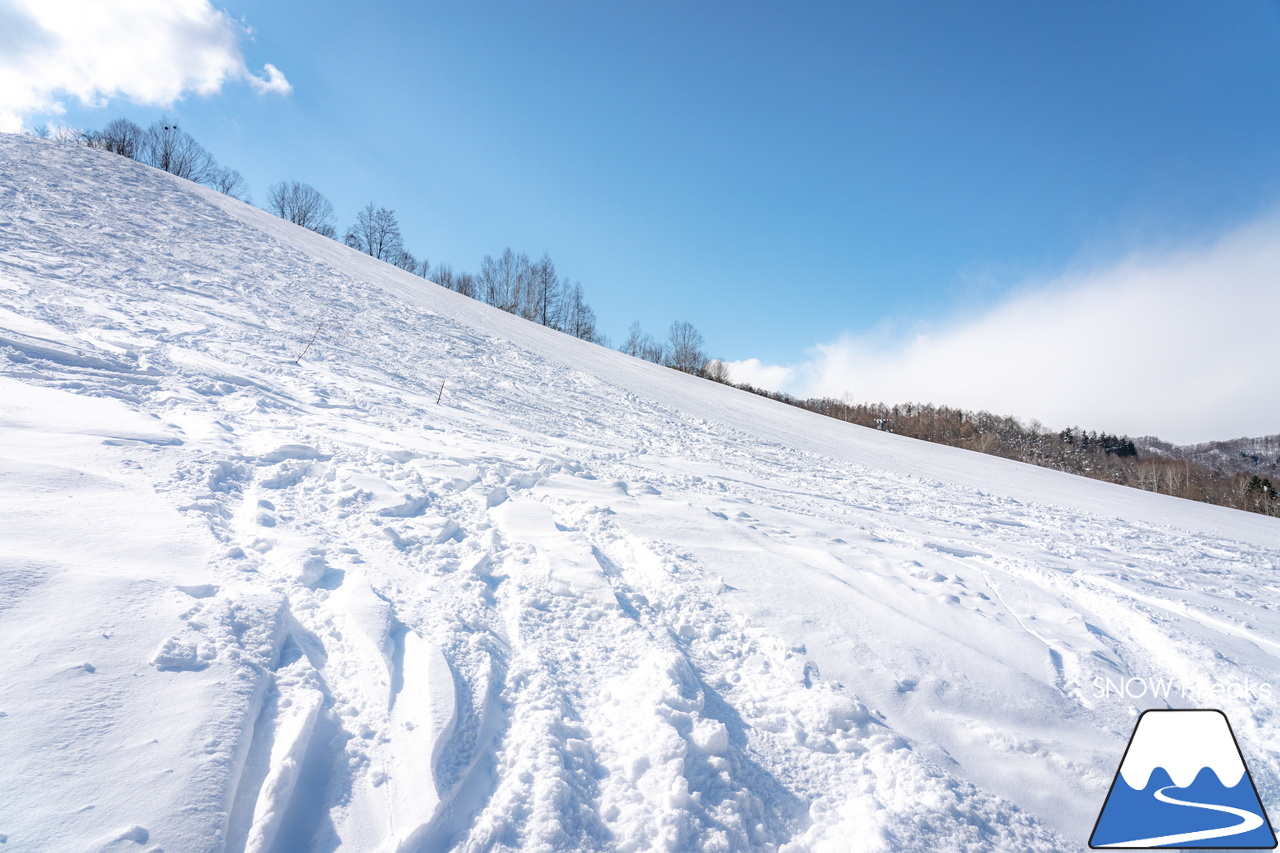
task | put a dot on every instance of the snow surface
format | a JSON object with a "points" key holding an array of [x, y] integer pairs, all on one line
{"points": [[582, 603]]}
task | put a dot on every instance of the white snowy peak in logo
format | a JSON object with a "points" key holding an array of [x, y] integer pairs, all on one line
{"points": [[1183, 743]]}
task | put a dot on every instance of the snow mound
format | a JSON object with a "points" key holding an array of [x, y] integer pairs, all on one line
{"points": [[257, 603]]}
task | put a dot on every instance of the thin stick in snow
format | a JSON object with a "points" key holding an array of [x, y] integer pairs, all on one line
{"points": [[298, 360], [441, 394]]}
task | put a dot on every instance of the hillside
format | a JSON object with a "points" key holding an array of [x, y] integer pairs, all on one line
{"points": [[1233, 474], [582, 602], [1235, 456]]}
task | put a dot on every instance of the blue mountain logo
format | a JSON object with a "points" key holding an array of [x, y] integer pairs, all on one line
{"points": [[1183, 783]]}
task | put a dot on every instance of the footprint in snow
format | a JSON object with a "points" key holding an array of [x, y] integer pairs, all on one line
{"points": [[200, 590], [177, 655]]}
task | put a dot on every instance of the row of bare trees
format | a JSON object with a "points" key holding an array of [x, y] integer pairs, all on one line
{"points": [[510, 281], [682, 350], [376, 231], [531, 289], [168, 147], [302, 204], [165, 146]]}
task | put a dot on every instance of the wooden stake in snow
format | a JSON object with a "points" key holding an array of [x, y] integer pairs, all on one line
{"points": [[298, 360], [441, 394]]}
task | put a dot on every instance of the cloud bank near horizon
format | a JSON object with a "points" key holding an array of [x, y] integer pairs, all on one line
{"points": [[151, 52], [1181, 344]]}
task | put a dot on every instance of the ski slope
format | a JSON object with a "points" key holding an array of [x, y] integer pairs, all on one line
{"points": [[582, 603]]}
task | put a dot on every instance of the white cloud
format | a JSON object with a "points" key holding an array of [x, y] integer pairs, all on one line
{"points": [[752, 371], [273, 82], [1182, 345], [149, 51]]}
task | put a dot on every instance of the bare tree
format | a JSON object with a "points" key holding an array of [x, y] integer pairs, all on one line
{"points": [[442, 275], [641, 344], [504, 281], [532, 290], [230, 182], [67, 133], [466, 284], [716, 370], [170, 148], [376, 233], [302, 204], [1146, 475], [684, 348], [121, 136], [635, 336], [511, 268], [487, 285], [544, 292], [406, 261], [579, 318]]}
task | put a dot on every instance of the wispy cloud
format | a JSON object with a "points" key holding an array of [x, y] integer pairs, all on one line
{"points": [[1183, 344], [148, 51], [271, 82]]}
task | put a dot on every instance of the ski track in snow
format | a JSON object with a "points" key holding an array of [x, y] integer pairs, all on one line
{"points": [[253, 605]]}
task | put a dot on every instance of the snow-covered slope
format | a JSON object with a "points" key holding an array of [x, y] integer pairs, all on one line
{"points": [[583, 602]]}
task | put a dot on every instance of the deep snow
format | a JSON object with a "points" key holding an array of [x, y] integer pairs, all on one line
{"points": [[583, 603]]}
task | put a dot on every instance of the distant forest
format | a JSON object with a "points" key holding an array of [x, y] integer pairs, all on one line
{"points": [[1243, 473]]}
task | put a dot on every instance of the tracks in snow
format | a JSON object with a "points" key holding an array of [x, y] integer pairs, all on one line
{"points": [[564, 682], [549, 612]]}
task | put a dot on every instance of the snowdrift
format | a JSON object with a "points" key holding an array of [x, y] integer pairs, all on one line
{"points": [[582, 603]]}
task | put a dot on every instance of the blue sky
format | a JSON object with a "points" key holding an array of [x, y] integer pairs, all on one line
{"points": [[785, 176]]}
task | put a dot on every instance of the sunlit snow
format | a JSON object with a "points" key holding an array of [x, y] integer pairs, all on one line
{"points": [[582, 603]]}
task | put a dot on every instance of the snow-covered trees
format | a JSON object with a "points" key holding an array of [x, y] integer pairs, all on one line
{"points": [[1260, 495]]}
